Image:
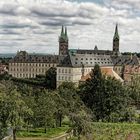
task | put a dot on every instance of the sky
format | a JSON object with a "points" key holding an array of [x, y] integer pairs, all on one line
{"points": [[35, 25]]}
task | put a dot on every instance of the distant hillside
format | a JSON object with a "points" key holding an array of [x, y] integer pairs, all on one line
{"points": [[7, 55]]}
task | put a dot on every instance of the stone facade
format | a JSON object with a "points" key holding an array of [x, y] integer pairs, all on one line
{"points": [[25, 65], [75, 65]]}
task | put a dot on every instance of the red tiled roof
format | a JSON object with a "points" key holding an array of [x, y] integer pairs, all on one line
{"points": [[108, 71]]}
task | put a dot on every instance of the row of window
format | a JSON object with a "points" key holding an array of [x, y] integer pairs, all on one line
{"points": [[93, 59], [95, 63], [64, 70], [22, 75], [118, 69], [27, 70], [33, 64], [66, 78]]}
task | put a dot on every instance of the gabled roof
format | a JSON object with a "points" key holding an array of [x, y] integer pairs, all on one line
{"points": [[75, 59], [108, 71], [125, 60], [24, 57]]}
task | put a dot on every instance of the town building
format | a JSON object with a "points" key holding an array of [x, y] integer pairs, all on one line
{"points": [[72, 64], [25, 65]]}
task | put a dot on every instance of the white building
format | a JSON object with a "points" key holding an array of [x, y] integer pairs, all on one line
{"points": [[75, 65]]}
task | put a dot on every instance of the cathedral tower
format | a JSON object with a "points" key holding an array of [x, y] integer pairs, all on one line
{"points": [[63, 42], [116, 40]]}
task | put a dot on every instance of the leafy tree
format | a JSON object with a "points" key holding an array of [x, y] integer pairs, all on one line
{"points": [[134, 89], [105, 96], [14, 109], [74, 108], [45, 109], [51, 78]]}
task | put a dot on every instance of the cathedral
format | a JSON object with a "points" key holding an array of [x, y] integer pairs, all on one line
{"points": [[72, 64]]}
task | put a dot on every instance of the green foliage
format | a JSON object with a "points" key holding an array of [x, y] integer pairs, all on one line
{"points": [[130, 53], [5, 61], [51, 78], [134, 88], [115, 131], [107, 97], [47, 81], [75, 109], [45, 109], [32, 82], [13, 109]]}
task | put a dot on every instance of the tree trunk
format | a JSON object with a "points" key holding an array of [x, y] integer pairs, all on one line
{"points": [[14, 134], [28, 126], [60, 120], [45, 129]]}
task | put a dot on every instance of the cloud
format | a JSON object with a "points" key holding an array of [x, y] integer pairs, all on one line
{"points": [[34, 25], [128, 4]]}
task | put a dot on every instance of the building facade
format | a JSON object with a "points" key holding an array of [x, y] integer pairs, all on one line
{"points": [[75, 65], [71, 64], [25, 65]]}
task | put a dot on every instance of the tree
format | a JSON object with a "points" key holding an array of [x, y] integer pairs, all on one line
{"points": [[45, 109], [105, 96], [135, 91], [75, 109], [51, 78], [14, 109]]}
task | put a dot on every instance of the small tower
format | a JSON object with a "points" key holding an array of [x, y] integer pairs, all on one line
{"points": [[116, 40], [63, 42]]}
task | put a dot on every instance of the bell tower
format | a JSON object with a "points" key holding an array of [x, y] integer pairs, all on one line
{"points": [[116, 40], [63, 42]]}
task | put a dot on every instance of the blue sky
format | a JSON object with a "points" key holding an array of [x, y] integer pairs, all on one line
{"points": [[96, 1], [34, 25]]}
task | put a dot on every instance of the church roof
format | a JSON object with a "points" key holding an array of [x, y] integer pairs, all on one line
{"points": [[94, 51], [24, 57], [75, 59], [125, 60]]}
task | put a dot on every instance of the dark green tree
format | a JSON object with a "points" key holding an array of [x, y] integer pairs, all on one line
{"points": [[12, 107], [50, 79], [75, 109], [45, 110], [105, 96]]}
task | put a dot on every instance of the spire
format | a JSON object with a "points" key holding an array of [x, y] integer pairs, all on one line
{"points": [[96, 48], [62, 31], [64, 35], [116, 35], [66, 31]]}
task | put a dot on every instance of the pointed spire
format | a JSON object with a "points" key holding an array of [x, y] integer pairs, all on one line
{"points": [[116, 35], [62, 31], [64, 35], [131, 56], [66, 31]]}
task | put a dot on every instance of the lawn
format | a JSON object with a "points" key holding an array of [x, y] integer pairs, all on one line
{"points": [[39, 133], [115, 131], [101, 131]]}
